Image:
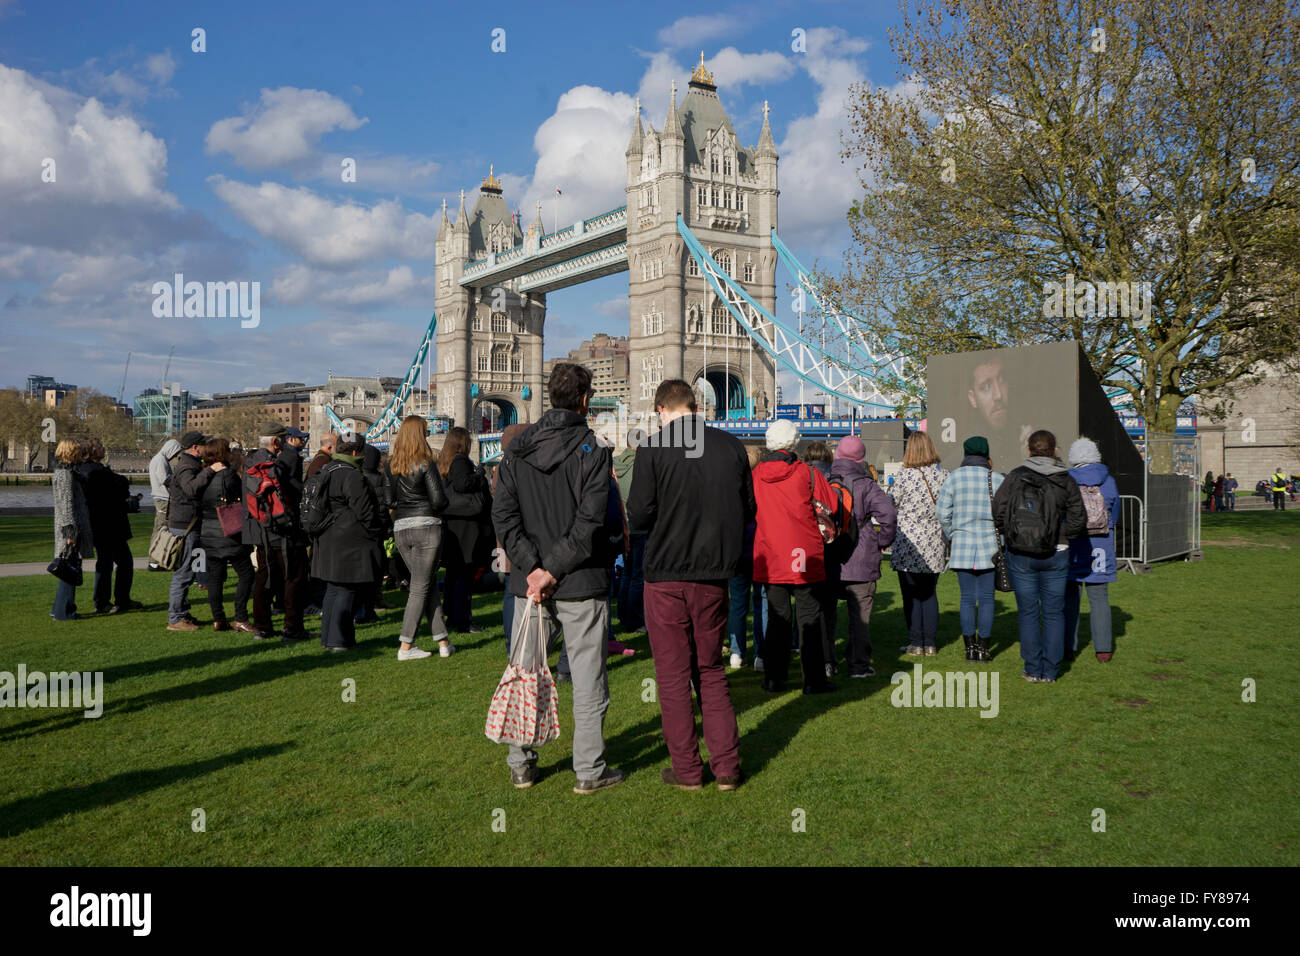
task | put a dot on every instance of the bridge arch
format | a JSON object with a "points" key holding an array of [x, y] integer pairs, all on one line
{"points": [[492, 413]]}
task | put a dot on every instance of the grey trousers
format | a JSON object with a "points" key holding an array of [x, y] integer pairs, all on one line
{"points": [[860, 596], [420, 548], [583, 624]]}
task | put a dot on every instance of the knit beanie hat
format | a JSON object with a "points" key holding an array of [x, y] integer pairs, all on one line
{"points": [[851, 448], [1083, 452], [976, 445], [782, 435]]}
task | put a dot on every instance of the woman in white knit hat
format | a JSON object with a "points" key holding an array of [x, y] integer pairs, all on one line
{"points": [[1092, 559]]}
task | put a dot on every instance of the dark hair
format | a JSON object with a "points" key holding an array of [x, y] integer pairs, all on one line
{"points": [[675, 393], [218, 449], [456, 444], [569, 386], [818, 451], [1042, 444], [355, 445]]}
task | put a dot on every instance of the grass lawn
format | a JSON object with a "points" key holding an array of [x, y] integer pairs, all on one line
{"points": [[258, 736], [31, 537]]}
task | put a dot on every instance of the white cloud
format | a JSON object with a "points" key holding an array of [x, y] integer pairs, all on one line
{"points": [[691, 31], [580, 150], [282, 128], [328, 234], [161, 67], [98, 157], [399, 286], [380, 173]]}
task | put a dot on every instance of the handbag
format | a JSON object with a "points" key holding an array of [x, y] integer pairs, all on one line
{"points": [[525, 710], [67, 568], [166, 548], [231, 516], [1001, 575]]}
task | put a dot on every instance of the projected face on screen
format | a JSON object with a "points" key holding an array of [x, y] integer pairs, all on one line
{"points": [[988, 394]]}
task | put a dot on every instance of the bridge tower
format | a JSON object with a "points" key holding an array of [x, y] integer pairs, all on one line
{"points": [[727, 195], [489, 340]]}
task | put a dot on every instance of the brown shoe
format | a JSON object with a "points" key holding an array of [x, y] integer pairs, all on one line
{"points": [[670, 778], [729, 783], [245, 627], [182, 626], [220, 626]]}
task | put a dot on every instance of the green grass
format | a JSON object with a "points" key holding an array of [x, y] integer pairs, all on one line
{"points": [[31, 537], [287, 773]]}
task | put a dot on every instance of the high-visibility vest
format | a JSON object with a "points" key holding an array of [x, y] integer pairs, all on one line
{"points": [[1279, 482]]}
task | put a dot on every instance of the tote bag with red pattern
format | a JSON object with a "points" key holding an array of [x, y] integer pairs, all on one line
{"points": [[525, 709]]}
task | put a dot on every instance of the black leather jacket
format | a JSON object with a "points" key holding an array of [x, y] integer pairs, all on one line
{"points": [[417, 495]]}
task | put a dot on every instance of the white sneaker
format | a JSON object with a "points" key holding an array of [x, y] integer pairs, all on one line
{"points": [[414, 654], [446, 650], [758, 664], [737, 662], [830, 671]]}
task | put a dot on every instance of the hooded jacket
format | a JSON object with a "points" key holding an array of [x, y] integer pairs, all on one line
{"points": [[188, 482], [550, 506], [349, 550], [160, 469], [869, 503], [1087, 555], [693, 493], [1068, 501], [788, 547]]}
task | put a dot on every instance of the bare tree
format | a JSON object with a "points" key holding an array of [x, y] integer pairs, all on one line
{"points": [[1116, 144]]}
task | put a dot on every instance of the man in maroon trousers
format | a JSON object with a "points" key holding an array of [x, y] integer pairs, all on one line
{"points": [[692, 492]]}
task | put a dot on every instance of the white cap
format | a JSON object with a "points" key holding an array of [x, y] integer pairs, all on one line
{"points": [[1084, 452], [782, 435]]}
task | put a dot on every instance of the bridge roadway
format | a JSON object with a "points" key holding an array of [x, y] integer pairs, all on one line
{"points": [[572, 243]]}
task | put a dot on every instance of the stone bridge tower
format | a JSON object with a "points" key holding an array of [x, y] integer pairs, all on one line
{"points": [[489, 340], [727, 195]]}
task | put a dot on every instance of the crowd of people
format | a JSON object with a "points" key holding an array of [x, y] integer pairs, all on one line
{"points": [[729, 556]]}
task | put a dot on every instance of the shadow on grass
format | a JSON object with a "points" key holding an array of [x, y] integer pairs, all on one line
{"points": [[30, 813], [258, 673]]}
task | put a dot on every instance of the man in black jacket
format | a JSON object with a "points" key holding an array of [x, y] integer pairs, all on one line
{"points": [[550, 508], [693, 492], [1037, 509], [188, 481], [281, 549], [106, 497]]}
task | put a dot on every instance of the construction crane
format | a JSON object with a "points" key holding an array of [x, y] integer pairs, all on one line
{"points": [[122, 391], [168, 367]]}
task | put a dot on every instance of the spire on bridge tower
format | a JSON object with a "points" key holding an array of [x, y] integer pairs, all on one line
{"points": [[634, 146], [445, 224], [702, 77], [491, 184], [462, 220], [672, 125], [766, 147]]}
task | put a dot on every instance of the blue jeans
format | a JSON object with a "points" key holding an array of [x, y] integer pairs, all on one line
{"points": [[1098, 617], [178, 604], [919, 594], [742, 590], [1040, 599], [65, 601], [1231, 497], [631, 590], [977, 605]]}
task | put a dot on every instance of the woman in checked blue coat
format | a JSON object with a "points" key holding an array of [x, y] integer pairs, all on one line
{"points": [[966, 515], [1092, 559]]}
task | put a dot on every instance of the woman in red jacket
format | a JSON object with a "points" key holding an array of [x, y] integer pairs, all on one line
{"points": [[788, 557]]}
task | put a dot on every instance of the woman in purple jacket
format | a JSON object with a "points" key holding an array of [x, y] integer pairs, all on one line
{"points": [[877, 521], [1092, 559]]}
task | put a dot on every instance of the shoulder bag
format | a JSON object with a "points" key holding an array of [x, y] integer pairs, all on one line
{"points": [[1001, 576]]}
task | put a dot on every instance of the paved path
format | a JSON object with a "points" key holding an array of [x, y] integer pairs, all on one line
{"points": [[38, 567]]}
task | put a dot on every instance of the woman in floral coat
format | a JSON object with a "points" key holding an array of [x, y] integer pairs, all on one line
{"points": [[72, 533], [919, 551]]}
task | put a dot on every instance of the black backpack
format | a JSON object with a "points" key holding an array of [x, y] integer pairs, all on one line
{"points": [[315, 510], [1033, 522]]}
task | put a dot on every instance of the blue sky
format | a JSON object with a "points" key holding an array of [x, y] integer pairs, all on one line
{"points": [[224, 165]]}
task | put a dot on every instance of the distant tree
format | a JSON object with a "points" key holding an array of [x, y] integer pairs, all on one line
{"points": [[28, 422], [240, 421], [1126, 141]]}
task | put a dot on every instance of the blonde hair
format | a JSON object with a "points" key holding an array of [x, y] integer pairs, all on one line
{"points": [[69, 451], [410, 447], [920, 451], [755, 456]]}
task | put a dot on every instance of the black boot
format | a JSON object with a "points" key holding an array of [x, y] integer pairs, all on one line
{"points": [[972, 655], [982, 650]]}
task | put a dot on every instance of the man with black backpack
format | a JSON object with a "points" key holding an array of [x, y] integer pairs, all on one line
{"points": [[551, 502], [1037, 509], [272, 492]]}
